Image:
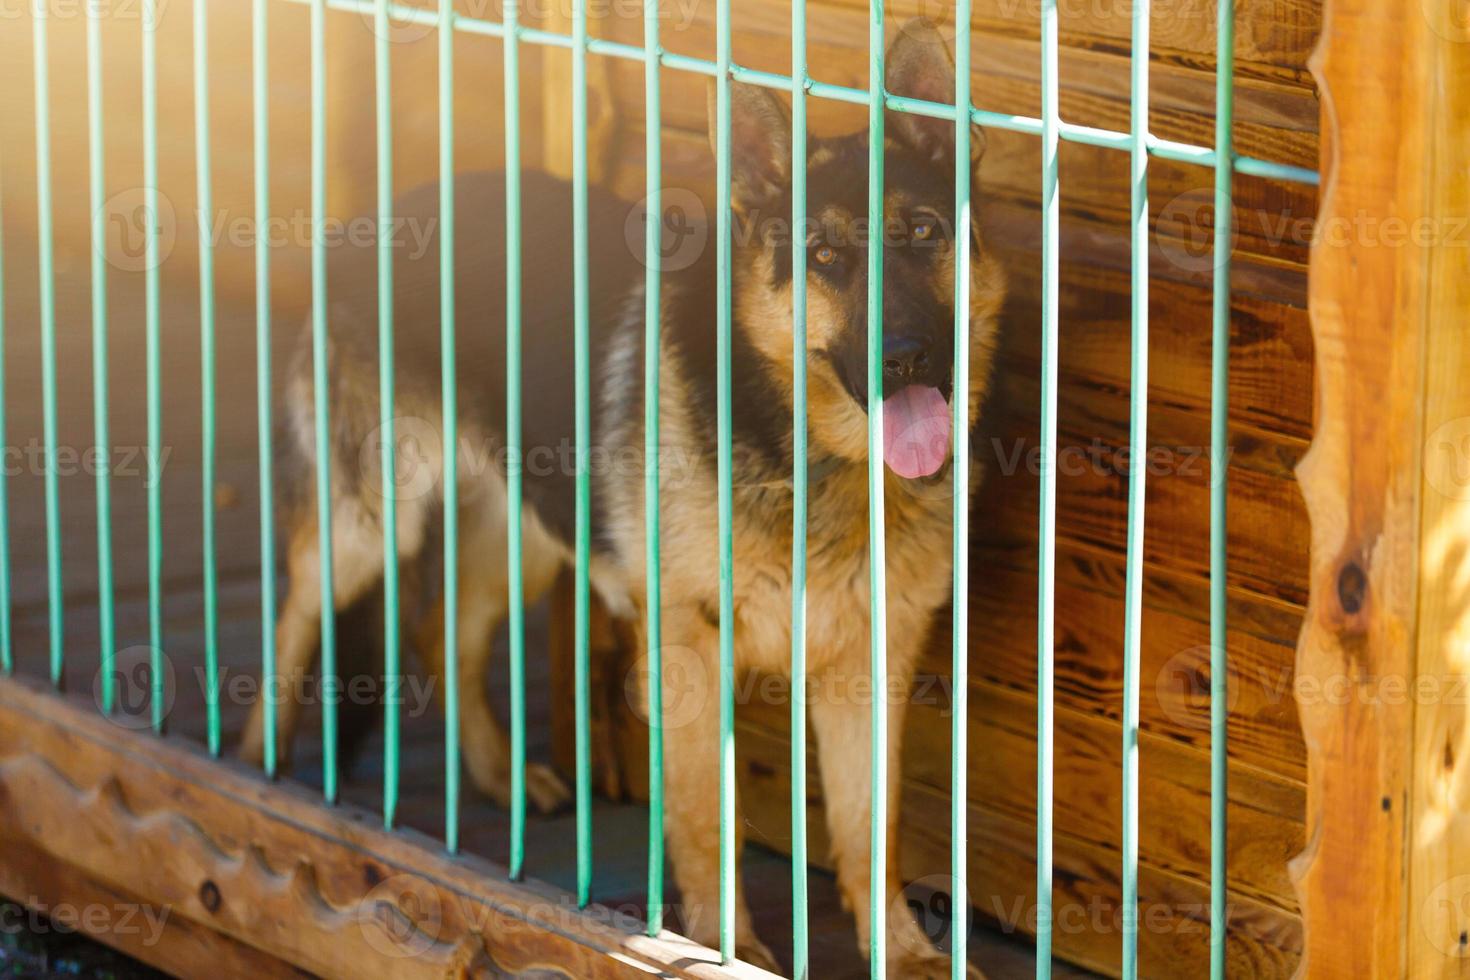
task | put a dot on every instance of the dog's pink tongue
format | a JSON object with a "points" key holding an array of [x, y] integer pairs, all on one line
{"points": [[916, 429]]}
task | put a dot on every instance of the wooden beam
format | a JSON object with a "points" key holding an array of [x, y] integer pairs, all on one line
{"points": [[1381, 663], [88, 808]]}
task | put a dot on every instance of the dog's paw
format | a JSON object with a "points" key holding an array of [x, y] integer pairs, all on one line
{"points": [[545, 788], [751, 950]]}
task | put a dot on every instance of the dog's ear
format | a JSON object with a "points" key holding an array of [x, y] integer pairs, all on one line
{"points": [[760, 144], [919, 65]]}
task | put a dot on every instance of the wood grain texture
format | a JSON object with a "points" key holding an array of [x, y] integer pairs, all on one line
{"points": [[267, 866], [1382, 881], [1271, 422], [1439, 859]]}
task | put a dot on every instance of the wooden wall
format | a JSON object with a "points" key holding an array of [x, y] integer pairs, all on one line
{"points": [[1271, 395], [1270, 419]]}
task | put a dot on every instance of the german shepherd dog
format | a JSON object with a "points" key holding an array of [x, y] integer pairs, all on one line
{"points": [[918, 352]]}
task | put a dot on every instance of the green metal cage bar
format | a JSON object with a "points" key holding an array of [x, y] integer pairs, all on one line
{"points": [[154, 372], [449, 409], [1068, 132], [331, 683], [7, 657], [260, 67], [582, 355], [724, 448], [1138, 445], [514, 476], [959, 715], [392, 670], [1219, 450], [800, 915], [101, 439], [877, 550], [206, 369], [1051, 211], [48, 336], [652, 359]]}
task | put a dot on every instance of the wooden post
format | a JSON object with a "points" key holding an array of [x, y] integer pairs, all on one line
{"points": [[1383, 660]]}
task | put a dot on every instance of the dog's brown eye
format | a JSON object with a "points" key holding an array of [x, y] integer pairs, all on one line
{"points": [[825, 254], [923, 229]]}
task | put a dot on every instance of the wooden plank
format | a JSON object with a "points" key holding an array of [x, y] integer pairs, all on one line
{"points": [[1266, 811], [128, 922], [1438, 926], [1264, 731], [1383, 878], [267, 865], [1268, 529], [1264, 940]]}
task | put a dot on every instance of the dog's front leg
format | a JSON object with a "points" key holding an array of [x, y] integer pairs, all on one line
{"points": [[691, 706], [840, 709]]}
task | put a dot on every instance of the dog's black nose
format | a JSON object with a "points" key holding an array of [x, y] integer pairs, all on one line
{"points": [[905, 358]]}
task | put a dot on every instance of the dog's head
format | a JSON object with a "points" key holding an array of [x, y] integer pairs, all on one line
{"points": [[919, 256]]}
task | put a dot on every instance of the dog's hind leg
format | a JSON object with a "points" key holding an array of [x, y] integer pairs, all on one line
{"points": [[357, 564], [483, 604], [692, 784]]}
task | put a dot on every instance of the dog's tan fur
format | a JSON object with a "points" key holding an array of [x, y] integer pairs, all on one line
{"points": [[918, 534]]}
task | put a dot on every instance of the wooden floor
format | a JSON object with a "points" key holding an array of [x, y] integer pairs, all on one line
{"points": [[620, 831]]}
